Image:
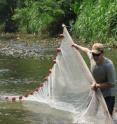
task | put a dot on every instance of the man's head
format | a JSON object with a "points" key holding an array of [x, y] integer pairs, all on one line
{"points": [[97, 52], [97, 48]]}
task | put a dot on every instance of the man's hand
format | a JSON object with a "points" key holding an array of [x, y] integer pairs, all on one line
{"points": [[93, 86], [75, 45]]}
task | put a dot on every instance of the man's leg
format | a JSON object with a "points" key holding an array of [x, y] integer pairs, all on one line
{"points": [[110, 101]]}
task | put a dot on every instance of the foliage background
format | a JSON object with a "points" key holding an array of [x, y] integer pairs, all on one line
{"points": [[87, 20]]}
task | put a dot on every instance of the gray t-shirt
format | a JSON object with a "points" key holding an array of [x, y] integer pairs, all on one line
{"points": [[104, 73]]}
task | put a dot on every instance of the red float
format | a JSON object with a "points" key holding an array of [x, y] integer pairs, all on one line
{"points": [[46, 78], [58, 50], [13, 99], [54, 61], [20, 97], [26, 95], [50, 70], [6, 98]]}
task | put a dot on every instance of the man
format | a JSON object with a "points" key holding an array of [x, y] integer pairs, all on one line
{"points": [[103, 71]]}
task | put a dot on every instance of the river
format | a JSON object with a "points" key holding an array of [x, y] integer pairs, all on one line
{"points": [[22, 71]]}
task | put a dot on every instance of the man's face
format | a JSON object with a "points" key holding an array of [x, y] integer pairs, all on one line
{"points": [[97, 57]]}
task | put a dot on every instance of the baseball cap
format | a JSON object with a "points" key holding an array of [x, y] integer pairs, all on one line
{"points": [[97, 48]]}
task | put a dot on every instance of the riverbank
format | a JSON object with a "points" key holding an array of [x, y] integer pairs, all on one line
{"points": [[44, 40], [22, 45]]}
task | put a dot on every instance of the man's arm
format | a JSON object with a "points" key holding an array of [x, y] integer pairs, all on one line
{"points": [[105, 85], [78, 47]]}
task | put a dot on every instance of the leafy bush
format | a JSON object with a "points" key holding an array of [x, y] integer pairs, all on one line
{"points": [[97, 20], [37, 16]]}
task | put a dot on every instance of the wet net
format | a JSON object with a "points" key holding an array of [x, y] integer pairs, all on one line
{"points": [[67, 87]]}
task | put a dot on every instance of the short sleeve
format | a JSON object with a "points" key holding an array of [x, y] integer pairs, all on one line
{"points": [[89, 54], [110, 70]]}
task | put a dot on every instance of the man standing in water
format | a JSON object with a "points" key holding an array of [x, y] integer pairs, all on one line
{"points": [[103, 71]]}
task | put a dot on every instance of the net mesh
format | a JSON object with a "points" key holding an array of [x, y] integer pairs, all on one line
{"points": [[68, 87]]}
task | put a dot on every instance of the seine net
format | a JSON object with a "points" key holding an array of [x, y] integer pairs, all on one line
{"points": [[67, 87]]}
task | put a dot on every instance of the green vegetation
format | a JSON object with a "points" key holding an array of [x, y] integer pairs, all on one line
{"points": [[89, 20], [97, 20], [36, 16]]}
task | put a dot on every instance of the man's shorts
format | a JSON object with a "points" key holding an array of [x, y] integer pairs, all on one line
{"points": [[110, 101]]}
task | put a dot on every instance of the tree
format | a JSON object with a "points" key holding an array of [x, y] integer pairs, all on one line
{"points": [[7, 8]]}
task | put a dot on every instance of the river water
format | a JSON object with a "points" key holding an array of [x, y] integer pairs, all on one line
{"points": [[19, 74]]}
